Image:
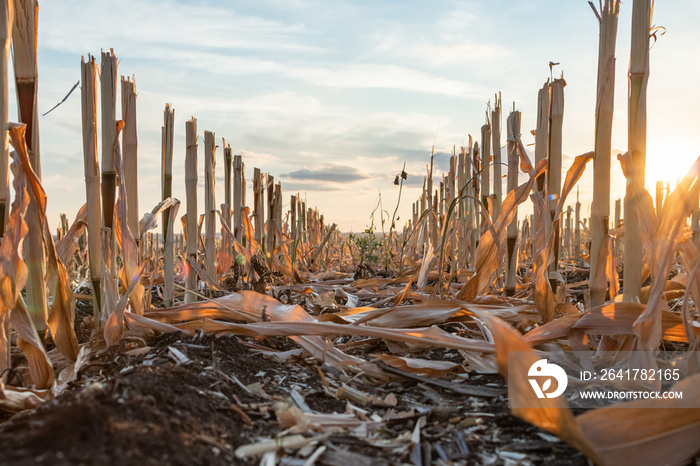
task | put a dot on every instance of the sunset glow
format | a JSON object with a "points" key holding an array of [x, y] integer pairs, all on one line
{"points": [[668, 160]]}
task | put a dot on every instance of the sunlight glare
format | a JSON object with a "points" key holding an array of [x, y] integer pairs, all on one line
{"points": [[669, 160]]}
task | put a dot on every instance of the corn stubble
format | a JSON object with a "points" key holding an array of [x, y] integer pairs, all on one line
{"points": [[462, 257]]}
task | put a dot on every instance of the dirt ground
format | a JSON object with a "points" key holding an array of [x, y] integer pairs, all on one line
{"points": [[185, 401]]}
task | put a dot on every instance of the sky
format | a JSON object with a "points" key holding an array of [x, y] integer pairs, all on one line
{"points": [[333, 97]]}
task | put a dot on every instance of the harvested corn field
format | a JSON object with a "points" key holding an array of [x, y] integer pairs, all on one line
{"points": [[508, 302]]}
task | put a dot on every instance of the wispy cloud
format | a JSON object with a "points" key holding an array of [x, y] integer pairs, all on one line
{"points": [[328, 173], [139, 25]]}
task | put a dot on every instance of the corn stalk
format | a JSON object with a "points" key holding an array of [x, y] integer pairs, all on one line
{"points": [[24, 42], [7, 14], [513, 124], [130, 155], [167, 133], [496, 147], [191, 229], [108, 91], [88, 94], [6, 20], [636, 140], [556, 122], [238, 195], [542, 133], [209, 204], [600, 208], [485, 163]]}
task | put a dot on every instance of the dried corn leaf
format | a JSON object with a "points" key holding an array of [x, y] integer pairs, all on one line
{"points": [[672, 290], [62, 311], [544, 297], [13, 270], [419, 366], [649, 432], [618, 319], [430, 336], [252, 246], [611, 269], [555, 330], [114, 327], [125, 239], [149, 327], [30, 344], [487, 257], [13, 275], [418, 315], [149, 221], [16, 399], [677, 207], [551, 414], [66, 246]]}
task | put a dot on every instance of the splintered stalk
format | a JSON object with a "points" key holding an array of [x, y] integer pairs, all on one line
{"points": [[323, 243], [130, 155], [496, 143], [636, 137], [600, 208], [452, 177], [513, 126], [278, 211], [441, 203], [433, 226], [485, 163], [577, 231], [567, 234], [293, 216], [556, 123], [24, 42], [6, 20], [304, 223], [24, 45], [469, 192], [238, 189], [695, 224], [257, 204], [209, 204], [542, 131], [462, 253], [618, 224], [227, 175], [108, 81], [167, 133], [88, 94], [294, 227], [270, 230], [191, 230], [474, 195], [226, 218]]}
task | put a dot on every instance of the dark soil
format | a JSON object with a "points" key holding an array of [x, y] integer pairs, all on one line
{"points": [[185, 402]]}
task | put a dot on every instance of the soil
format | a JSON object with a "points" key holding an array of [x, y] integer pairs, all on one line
{"points": [[186, 401]]}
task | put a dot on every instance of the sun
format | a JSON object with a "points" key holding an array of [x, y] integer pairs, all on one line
{"points": [[668, 160]]}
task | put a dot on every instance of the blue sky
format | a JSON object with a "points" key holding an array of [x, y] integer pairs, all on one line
{"points": [[332, 97]]}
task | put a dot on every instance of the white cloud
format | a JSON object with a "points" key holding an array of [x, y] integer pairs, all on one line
{"points": [[138, 25]]}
